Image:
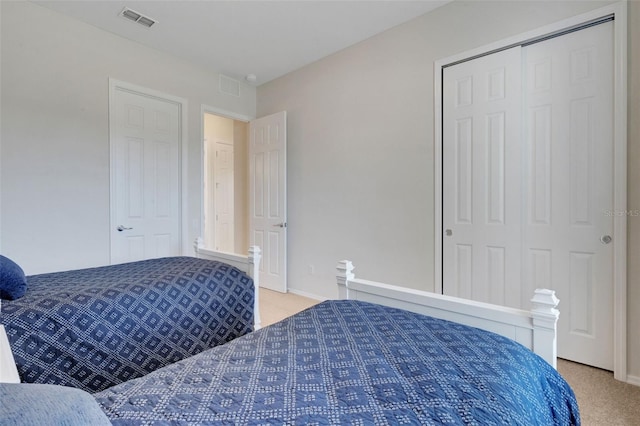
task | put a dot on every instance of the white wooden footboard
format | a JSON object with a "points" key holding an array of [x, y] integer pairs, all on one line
{"points": [[535, 329], [249, 264]]}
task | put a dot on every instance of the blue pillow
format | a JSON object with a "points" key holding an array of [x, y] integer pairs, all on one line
{"points": [[13, 283], [36, 404]]}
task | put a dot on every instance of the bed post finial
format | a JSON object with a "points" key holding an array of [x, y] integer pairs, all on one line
{"points": [[255, 254], [545, 319], [344, 275], [197, 245]]}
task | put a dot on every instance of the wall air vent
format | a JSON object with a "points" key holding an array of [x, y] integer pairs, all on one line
{"points": [[229, 85], [134, 16]]}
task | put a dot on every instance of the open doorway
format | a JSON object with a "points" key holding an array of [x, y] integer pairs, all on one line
{"points": [[226, 184]]}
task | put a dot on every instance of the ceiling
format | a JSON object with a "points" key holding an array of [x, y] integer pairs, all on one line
{"points": [[267, 38]]}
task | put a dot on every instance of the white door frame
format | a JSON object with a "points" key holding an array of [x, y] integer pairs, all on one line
{"points": [[619, 12], [182, 162], [206, 109]]}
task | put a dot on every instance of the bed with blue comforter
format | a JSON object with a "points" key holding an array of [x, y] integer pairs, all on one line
{"points": [[351, 363], [94, 328]]}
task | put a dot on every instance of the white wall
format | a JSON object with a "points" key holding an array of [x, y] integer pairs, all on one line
{"points": [[360, 148], [55, 139]]}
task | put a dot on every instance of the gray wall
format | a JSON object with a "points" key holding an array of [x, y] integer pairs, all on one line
{"points": [[54, 167], [360, 154]]}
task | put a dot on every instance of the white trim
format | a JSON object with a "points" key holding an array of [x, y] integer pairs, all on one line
{"points": [[633, 380], [224, 113], [619, 11], [437, 176], [0, 173], [182, 104], [620, 193], [307, 295], [185, 178]]}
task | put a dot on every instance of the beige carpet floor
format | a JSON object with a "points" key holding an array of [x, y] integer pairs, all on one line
{"points": [[276, 306], [603, 400]]}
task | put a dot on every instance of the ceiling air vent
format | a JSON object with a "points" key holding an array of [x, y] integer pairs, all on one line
{"points": [[134, 16]]}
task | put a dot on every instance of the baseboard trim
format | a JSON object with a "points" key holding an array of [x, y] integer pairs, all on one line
{"points": [[305, 294], [633, 380]]}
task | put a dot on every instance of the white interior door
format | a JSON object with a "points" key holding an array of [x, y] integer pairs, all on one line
{"points": [[145, 135], [268, 197], [223, 171], [559, 170]]}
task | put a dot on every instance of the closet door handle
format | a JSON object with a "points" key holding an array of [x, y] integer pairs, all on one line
{"points": [[121, 228]]}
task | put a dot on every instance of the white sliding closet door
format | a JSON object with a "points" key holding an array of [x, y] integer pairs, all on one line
{"points": [[528, 183], [569, 186], [481, 202]]}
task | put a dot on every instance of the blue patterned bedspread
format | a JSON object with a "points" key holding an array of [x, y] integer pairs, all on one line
{"points": [[95, 328], [351, 363]]}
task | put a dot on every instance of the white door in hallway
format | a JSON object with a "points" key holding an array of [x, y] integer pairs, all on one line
{"points": [[224, 197], [145, 136], [268, 197], [533, 208]]}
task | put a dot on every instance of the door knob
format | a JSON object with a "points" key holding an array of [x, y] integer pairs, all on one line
{"points": [[281, 225], [605, 239], [448, 232], [121, 228]]}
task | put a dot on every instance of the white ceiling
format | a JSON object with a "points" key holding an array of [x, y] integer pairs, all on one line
{"points": [[268, 38]]}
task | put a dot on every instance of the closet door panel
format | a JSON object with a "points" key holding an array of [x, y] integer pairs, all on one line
{"points": [[481, 206]]}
